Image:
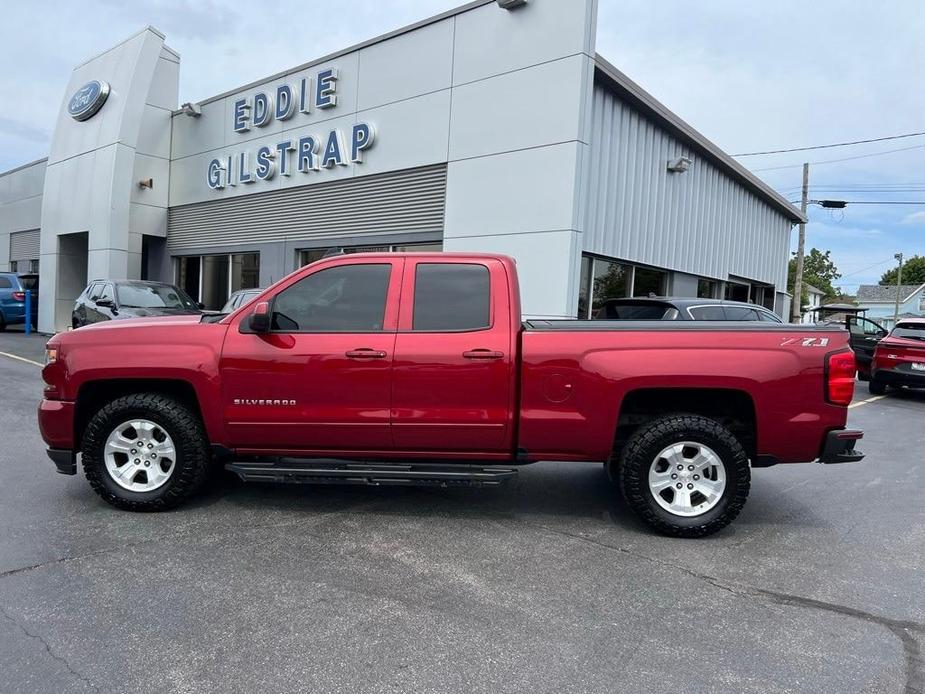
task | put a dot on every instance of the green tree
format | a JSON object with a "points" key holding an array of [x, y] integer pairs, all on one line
{"points": [[818, 270], [913, 272]]}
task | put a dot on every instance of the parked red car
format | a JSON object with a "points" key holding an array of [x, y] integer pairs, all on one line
{"points": [[899, 359], [417, 368]]}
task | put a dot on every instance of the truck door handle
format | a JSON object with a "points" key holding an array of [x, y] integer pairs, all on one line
{"points": [[483, 354], [366, 353]]}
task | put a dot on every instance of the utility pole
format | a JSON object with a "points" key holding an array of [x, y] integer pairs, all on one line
{"points": [[899, 284], [796, 305]]}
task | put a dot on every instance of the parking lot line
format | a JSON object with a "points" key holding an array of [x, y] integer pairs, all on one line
{"points": [[18, 358], [869, 400]]}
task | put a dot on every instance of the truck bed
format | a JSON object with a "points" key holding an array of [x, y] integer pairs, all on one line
{"points": [[582, 325]]}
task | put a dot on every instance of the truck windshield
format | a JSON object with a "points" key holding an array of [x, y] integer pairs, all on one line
{"points": [[153, 296], [910, 331]]}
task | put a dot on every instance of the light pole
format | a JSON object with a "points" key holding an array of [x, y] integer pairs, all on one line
{"points": [[899, 284], [796, 306]]}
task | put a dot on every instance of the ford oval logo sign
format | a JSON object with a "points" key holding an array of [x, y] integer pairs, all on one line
{"points": [[88, 100]]}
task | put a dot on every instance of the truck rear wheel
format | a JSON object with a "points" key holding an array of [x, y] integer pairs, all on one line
{"points": [[685, 475], [145, 452]]}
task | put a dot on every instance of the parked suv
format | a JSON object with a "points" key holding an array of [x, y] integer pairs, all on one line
{"points": [[899, 358], [13, 288], [686, 308], [116, 299]]}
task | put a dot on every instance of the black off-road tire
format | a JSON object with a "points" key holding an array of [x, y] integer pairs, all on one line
{"points": [[179, 421], [875, 387], [650, 440]]}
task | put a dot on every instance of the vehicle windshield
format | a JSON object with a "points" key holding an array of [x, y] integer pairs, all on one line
{"points": [[910, 331], [153, 296]]}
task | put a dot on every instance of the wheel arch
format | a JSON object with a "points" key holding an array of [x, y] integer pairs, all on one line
{"points": [[734, 409], [93, 395]]}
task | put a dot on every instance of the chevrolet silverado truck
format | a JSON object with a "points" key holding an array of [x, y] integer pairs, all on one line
{"points": [[418, 369]]}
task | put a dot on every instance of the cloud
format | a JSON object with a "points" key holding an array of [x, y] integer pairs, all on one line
{"points": [[17, 129], [916, 218]]}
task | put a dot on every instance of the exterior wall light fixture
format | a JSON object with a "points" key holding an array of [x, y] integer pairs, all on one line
{"points": [[191, 109], [679, 165], [511, 4]]}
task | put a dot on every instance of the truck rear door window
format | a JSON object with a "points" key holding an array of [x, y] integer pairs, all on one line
{"points": [[345, 298], [451, 297]]}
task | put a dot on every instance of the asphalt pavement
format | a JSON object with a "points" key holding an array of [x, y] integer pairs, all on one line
{"points": [[547, 584]]}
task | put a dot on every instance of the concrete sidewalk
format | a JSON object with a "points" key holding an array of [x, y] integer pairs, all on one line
{"points": [[14, 341]]}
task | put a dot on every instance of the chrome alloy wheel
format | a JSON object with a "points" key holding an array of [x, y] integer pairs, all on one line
{"points": [[687, 479], [139, 455]]}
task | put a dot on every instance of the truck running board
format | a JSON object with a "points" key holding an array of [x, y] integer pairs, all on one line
{"points": [[297, 471]]}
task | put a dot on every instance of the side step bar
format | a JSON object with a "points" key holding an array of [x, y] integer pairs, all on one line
{"points": [[297, 471]]}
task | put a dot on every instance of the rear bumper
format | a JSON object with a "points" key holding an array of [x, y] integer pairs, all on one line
{"points": [[65, 461], [839, 447], [903, 375]]}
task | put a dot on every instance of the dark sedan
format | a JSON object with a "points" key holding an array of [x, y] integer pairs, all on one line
{"points": [[117, 299], [683, 308]]}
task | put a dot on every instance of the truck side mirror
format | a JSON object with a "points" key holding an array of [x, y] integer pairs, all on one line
{"points": [[259, 320]]}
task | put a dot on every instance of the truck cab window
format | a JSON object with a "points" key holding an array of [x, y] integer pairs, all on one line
{"points": [[349, 298], [451, 296]]}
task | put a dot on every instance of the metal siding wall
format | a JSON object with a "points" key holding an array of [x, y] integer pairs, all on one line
{"points": [[413, 200], [702, 222], [24, 245]]}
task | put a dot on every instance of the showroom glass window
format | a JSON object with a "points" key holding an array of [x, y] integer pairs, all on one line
{"points": [[346, 298], [737, 291], [706, 289], [211, 279], [605, 278], [649, 282]]}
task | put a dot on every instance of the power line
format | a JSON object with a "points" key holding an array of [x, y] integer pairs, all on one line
{"points": [[868, 202], [869, 267], [833, 161], [835, 144]]}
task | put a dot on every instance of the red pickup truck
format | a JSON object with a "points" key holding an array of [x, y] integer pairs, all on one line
{"points": [[417, 368]]}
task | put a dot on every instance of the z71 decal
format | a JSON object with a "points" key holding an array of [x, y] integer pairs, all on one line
{"points": [[805, 341]]}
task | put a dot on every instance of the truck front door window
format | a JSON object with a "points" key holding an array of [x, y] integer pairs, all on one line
{"points": [[348, 298]]}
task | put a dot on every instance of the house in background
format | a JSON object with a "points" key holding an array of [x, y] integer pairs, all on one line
{"points": [[880, 301], [814, 299]]}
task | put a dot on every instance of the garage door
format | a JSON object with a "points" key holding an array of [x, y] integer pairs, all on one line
{"points": [[24, 245]]}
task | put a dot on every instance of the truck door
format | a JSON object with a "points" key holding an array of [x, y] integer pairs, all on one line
{"points": [[865, 334], [320, 380], [453, 377]]}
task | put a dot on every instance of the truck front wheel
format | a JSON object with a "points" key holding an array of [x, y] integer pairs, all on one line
{"points": [[145, 452], [685, 475]]}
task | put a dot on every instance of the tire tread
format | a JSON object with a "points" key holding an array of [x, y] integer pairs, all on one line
{"points": [[189, 438], [634, 469]]}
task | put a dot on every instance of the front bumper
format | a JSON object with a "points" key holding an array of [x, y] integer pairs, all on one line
{"points": [[56, 424], [839, 447]]}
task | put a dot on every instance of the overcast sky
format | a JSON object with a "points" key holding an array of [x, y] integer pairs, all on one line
{"points": [[750, 76]]}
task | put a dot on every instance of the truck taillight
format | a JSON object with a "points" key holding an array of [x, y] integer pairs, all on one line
{"points": [[840, 376]]}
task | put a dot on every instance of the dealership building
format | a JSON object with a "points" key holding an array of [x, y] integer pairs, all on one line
{"points": [[494, 127]]}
